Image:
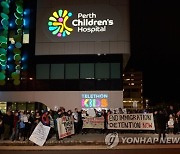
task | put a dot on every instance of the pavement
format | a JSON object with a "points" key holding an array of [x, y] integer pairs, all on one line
{"points": [[90, 139]]}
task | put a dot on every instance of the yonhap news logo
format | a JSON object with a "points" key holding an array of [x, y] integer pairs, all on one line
{"points": [[112, 140]]}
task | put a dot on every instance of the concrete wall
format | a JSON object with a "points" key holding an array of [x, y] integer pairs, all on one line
{"points": [[56, 99]]}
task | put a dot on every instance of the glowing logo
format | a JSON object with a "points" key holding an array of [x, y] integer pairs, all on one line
{"points": [[57, 23], [94, 100]]}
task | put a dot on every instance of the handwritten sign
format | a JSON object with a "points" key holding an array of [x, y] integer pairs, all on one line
{"points": [[40, 134], [93, 122], [65, 126]]}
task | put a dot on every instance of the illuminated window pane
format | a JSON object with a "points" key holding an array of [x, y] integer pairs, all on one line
{"points": [[42, 71], [115, 70], [102, 70], [26, 37], [30, 106], [13, 106], [87, 71], [57, 71], [3, 106], [21, 106], [72, 71]]}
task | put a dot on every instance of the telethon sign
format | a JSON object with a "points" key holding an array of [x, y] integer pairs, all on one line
{"points": [[84, 23], [94, 100]]}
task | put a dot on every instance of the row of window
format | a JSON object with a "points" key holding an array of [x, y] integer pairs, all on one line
{"points": [[78, 71]]}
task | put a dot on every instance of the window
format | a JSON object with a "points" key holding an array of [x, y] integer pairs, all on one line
{"points": [[21, 106], [3, 106], [115, 70], [72, 71], [87, 71], [57, 71], [102, 70], [26, 37], [30, 106], [42, 71]]}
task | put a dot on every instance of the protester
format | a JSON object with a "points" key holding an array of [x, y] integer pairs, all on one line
{"points": [[176, 126], [156, 121], [15, 134], [1, 125], [84, 115], [7, 122], [161, 124], [28, 125], [171, 124], [45, 119], [23, 119], [75, 117]]}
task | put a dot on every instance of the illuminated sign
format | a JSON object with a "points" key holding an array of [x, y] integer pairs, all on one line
{"points": [[94, 100], [85, 23], [57, 23]]}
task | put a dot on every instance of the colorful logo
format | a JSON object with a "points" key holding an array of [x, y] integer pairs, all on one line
{"points": [[57, 23]]}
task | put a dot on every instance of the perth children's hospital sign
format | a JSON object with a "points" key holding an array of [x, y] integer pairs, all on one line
{"points": [[84, 23], [90, 24], [80, 23]]}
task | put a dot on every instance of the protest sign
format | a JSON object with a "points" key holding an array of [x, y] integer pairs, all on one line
{"points": [[65, 126], [91, 122], [40, 134], [138, 121]]}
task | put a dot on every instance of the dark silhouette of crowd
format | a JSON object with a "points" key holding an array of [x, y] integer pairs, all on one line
{"points": [[19, 125]]}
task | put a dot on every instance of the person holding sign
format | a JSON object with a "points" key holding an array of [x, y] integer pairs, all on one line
{"points": [[45, 119]]}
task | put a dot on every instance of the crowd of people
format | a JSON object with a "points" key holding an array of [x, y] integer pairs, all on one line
{"points": [[19, 125]]}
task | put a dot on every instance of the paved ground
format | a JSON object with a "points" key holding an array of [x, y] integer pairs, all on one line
{"points": [[123, 149], [86, 139]]}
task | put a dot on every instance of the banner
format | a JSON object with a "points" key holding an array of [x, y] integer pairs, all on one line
{"points": [[91, 122], [65, 126], [138, 121], [40, 134]]}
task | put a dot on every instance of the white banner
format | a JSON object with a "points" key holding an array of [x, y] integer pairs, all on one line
{"points": [[65, 126], [93, 122], [40, 134], [138, 121]]}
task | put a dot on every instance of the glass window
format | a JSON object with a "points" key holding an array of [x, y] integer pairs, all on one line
{"points": [[87, 71], [30, 107], [72, 71], [13, 107], [3, 107], [115, 71], [102, 71], [42, 71], [57, 71], [26, 37], [21, 106]]}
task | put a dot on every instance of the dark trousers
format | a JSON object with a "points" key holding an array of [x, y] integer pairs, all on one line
{"points": [[76, 127], [22, 133], [161, 133], [6, 131]]}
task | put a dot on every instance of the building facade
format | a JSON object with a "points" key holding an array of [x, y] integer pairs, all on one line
{"points": [[64, 53], [133, 90]]}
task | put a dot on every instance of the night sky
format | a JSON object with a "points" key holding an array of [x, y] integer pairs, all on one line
{"points": [[155, 47]]}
